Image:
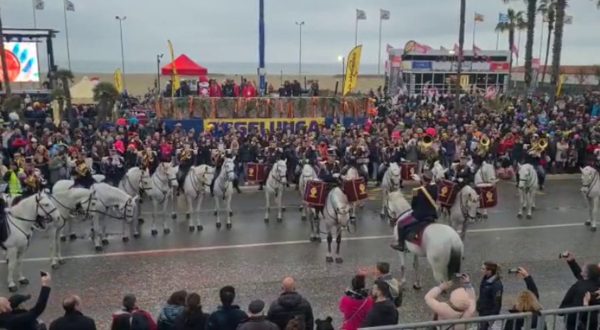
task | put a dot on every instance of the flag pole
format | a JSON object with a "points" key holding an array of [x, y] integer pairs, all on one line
{"points": [[356, 31], [497, 39], [379, 55], [34, 15], [67, 34], [518, 46], [474, 28], [541, 39]]}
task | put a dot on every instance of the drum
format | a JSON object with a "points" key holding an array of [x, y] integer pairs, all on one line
{"points": [[256, 172], [407, 170], [488, 195], [446, 192], [315, 193], [355, 190]]}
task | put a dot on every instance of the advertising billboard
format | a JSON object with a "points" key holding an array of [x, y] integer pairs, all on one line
{"points": [[21, 62]]}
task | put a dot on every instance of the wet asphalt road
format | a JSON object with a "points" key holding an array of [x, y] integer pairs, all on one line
{"points": [[254, 256]]}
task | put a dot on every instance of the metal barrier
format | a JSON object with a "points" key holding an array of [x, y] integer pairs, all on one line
{"points": [[576, 318]]}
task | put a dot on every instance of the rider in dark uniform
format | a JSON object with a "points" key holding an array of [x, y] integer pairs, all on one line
{"points": [[270, 157], [148, 160], [533, 156], [115, 169], [82, 175], [463, 174], [32, 184], [330, 171], [186, 160], [424, 209]]}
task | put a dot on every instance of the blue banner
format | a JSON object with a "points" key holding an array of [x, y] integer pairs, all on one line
{"points": [[422, 65]]}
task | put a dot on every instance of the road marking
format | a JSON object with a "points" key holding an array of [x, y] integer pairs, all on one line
{"points": [[282, 243]]}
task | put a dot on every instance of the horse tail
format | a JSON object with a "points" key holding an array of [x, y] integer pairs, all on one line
{"points": [[454, 260]]}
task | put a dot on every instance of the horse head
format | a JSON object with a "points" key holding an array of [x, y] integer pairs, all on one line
{"points": [[588, 175], [279, 171], [341, 206], [128, 208], [206, 175], [396, 204], [469, 200], [170, 172], [395, 174], [229, 168], [438, 171], [308, 172], [526, 173], [46, 212]]}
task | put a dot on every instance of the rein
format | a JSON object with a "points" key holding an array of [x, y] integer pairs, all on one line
{"points": [[162, 181], [198, 188]]}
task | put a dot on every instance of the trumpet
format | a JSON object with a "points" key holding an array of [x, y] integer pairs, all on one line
{"points": [[538, 147], [484, 146]]}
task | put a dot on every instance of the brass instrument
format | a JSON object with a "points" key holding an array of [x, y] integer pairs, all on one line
{"points": [[484, 146], [426, 146], [538, 147]]}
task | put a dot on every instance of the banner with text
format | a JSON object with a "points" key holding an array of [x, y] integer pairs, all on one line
{"points": [[245, 125]]}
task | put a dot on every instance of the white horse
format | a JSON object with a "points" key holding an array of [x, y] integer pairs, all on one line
{"points": [[133, 182], [223, 189], [438, 172], [72, 203], [463, 210], [161, 186], [33, 212], [440, 244], [275, 185], [590, 181], [352, 174], [528, 185], [308, 174], [391, 181], [486, 174], [113, 203], [336, 215], [195, 185]]}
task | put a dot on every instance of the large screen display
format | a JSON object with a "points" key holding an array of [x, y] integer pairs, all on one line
{"points": [[21, 61]]}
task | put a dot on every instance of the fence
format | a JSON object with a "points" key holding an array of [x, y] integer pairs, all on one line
{"points": [[576, 318], [262, 107]]}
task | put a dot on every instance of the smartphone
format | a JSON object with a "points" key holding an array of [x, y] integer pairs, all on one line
{"points": [[563, 255], [513, 270], [459, 275]]}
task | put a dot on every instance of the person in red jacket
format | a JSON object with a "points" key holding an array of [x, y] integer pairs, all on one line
{"points": [[355, 304], [249, 90], [131, 317], [214, 89]]}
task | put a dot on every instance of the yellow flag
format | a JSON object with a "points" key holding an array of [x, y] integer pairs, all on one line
{"points": [[119, 80], [561, 81], [353, 63], [464, 82], [174, 76]]}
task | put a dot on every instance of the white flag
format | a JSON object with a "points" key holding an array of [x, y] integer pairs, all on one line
{"points": [[384, 14], [69, 6], [361, 14], [38, 4]]}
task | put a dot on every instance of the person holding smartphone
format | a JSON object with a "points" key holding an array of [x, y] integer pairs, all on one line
{"points": [[526, 302], [21, 319], [588, 280]]}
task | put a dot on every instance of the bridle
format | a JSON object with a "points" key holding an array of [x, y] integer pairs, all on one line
{"points": [[278, 176], [199, 187], [528, 180], [90, 201], [464, 207], [39, 220], [336, 212], [393, 176], [127, 210]]}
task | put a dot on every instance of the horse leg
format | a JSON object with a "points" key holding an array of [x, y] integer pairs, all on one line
{"points": [[54, 246], [153, 229], [530, 196], [229, 211], [383, 200], [165, 224], [402, 256], [353, 213], [329, 258], [11, 255], [97, 233], [218, 223], [173, 206], [22, 279], [338, 242], [279, 204], [199, 226], [417, 284], [267, 205], [188, 215], [590, 205], [72, 235], [595, 202], [521, 203]]}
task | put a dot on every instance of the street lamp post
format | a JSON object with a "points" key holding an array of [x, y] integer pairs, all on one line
{"points": [[121, 19], [158, 58], [300, 24]]}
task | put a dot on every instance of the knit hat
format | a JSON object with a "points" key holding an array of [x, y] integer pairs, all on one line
{"points": [[256, 307]]}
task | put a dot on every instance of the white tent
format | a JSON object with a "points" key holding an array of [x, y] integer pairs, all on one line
{"points": [[83, 91]]}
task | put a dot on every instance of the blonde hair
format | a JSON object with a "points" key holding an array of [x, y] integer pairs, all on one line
{"points": [[527, 302]]}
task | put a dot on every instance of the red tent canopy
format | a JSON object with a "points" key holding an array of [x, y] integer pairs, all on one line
{"points": [[185, 67]]}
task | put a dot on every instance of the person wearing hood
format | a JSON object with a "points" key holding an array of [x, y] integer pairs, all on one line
{"points": [[14, 316], [384, 311], [382, 272], [228, 316], [256, 318], [289, 305], [460, 306], [490, 292], [131, 317], [355, 304], [193, 317], [174, 308]]}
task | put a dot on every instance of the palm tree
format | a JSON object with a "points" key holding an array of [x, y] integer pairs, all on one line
{"points": [[106, 94], [65, 77], [461, 44], [531, 13], [516, 21], [561, 5], [548, 10]]}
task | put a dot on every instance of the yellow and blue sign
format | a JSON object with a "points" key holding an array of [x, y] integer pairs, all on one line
{"points": [[263, 125]]}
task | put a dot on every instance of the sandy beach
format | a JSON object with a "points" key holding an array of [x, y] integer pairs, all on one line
{"points": [[138, 84]]}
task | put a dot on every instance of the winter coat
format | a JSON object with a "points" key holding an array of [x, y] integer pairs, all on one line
{"points": [[23, 319], [354, 307], [574, 298], [258, 323], [226, 318], [191, 320], [382, 313], [73, 321], [535, 314], [288, 306], [135, 320], [167, 316], [490, 296]]}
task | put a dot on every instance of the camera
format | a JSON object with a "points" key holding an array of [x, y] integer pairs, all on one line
{"points": [[563, 255], [513, 270]]}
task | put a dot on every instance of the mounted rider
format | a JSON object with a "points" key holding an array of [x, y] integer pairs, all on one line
{"points": [[115, 167], [535, 152], [269, 158], [32, 183], [148, 160], [424, 209], [356, 156], [82, 175], [185, 158], [331, 168], [392, 153], [463, 174]]}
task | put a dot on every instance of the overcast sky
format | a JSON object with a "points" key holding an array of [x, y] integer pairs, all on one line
{"points": [[227, 30]]}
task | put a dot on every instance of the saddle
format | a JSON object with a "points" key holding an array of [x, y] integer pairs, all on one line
{"points": [[413, 231]]}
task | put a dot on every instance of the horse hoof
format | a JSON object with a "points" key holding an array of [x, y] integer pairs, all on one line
{"points": [[105, 242], [218, 225], [329, 259], [230, 214], [485, 216], [339, 260], [593, 229], [154, 232], [140, 221], [61, 261], [63, 238], [188, 216], [303, 218], [72, 237], [280, 220], [300, 209], [228, 226], [215, 213], [519, 215], [266, 220], [191, 229], [54, 266], [173, 216], [200, 228], [533, 208], [136, 235], [588, 223], [166, 231], [125, 239], [98, 248], [283, 209], [416, 287], [382, 216], [24, 281], [12, 288], [529, 217]]}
